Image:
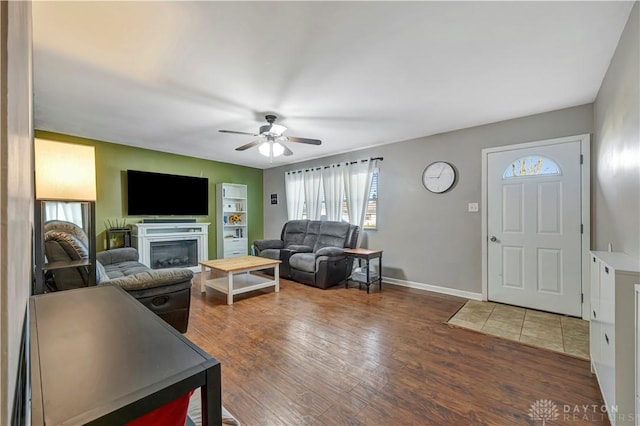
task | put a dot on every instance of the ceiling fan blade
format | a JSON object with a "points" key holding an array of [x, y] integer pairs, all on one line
{"points": [[287, 151], [249, 145], [277, 129], [238, 133], [304, 140]]}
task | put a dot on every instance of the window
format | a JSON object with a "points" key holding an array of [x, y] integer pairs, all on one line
{"points": [[370, 216], [533, 165], [323, 209], [66, 211]]}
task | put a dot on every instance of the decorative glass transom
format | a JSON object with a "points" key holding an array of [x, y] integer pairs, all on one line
{"points": [[533, 165]]}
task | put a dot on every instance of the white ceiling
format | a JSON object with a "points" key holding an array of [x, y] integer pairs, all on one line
{"points": [[168, 75]]}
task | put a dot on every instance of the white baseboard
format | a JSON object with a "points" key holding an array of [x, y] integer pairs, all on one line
{"points": [[434, 288]]}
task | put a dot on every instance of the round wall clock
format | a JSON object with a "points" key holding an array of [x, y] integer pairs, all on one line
{"points": [[439, 177]]}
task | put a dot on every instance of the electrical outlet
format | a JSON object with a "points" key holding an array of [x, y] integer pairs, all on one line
{"points": [[473, 207]]}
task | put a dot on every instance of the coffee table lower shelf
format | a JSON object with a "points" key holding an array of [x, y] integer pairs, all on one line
{"points": [[242, 283], [238, 278]]}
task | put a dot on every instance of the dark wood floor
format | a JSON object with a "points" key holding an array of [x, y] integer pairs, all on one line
{"points": [[342, 356]]}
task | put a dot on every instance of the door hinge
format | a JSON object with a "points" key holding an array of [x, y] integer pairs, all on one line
{"points": [[581, 297], [581, 159], [582, 228]]}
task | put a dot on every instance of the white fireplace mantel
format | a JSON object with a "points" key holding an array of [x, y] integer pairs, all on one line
{"points": [[143, 234]]}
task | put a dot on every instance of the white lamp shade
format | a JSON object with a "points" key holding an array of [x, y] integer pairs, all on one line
{"points": [[65, 171], [266, 147], [277, 149]]}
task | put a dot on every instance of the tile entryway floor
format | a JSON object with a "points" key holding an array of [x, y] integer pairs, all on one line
{"points": [[551, 331]]}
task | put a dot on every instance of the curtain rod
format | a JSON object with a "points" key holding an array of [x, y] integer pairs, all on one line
{"points": [[337, 165]]}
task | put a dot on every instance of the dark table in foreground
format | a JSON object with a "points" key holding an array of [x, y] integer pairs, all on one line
{"points": [[98, 356]]}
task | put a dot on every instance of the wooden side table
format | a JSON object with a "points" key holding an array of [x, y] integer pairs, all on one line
{"points": [[367, 255], [118, 238]]}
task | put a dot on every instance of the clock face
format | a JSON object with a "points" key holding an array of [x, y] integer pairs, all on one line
{"points": [[439, 177]]}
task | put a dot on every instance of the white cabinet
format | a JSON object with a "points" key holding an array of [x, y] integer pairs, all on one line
{"points": [[612, 342], [637, 358], [231, 220]]}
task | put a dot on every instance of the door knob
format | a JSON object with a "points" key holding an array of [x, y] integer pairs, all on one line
{"points": [[493, 239]]}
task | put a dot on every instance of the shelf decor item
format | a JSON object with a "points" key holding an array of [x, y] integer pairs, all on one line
{"points": [[235, 219], [115, 224]]}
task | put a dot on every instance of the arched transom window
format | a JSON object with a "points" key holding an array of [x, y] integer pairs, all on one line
{"points": [[531, 165]]}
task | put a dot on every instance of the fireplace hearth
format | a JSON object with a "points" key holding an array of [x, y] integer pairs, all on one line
{"points": [[174, 254]]}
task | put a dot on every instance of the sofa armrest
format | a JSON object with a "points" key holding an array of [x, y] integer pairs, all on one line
{"points": [[330, 251], [118, 255], [268, 244], [152, 278]]}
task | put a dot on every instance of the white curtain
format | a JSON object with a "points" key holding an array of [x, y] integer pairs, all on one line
{"points": [[357, 183], [333, 183], [294, 191], [67, 211], [312, 189]]}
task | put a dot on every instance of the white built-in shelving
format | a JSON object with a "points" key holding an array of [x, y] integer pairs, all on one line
{"points": [[231, 220]]}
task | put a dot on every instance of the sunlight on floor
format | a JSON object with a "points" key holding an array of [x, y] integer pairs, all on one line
{"points": [[551, 331]]}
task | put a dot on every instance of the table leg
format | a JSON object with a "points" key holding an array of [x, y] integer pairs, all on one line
{"points": [[380, 271], [346, 271], [203, 278], [276, 276], [368, 277], [230, 289], [211, 397]]}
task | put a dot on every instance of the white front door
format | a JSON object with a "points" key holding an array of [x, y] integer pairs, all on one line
{"points": [[534, 227]]}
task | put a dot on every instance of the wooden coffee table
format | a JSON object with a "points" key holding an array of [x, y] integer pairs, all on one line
{"points": [[238, 279]]}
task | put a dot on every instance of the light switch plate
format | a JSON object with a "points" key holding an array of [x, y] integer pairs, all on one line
{"points": [[473, 207]]}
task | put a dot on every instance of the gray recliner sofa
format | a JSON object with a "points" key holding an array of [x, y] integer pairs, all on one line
{"points": [[312, 251], [166, 292]]}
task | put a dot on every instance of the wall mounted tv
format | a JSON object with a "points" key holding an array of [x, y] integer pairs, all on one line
{"points": [[155, 194]]}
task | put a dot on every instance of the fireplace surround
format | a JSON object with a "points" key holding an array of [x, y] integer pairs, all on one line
{"points": [[171, 245]]}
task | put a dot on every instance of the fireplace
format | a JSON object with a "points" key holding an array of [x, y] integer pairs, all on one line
{"points": [[171, 245], [173, 254]]}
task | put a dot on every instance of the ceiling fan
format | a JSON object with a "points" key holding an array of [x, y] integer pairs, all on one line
{"points": [[271, 139]]}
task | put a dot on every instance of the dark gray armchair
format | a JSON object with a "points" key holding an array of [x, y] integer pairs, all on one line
{"points": [[312, 251], [166, 292]]}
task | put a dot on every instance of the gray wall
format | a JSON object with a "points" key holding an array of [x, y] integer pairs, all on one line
{"points": [[616, 164], [429, 238], [16, 191]]}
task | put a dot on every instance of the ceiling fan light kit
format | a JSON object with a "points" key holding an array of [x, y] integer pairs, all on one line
{"points": [[271, 140], [271, 149]]}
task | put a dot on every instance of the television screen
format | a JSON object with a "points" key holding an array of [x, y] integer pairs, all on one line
{"points": [[162, 194]]}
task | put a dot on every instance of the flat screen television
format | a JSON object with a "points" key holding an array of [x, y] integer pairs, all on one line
{"points": [[155, 194]]}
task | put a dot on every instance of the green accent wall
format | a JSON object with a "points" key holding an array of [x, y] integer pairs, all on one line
{"points": [[113, 160]]}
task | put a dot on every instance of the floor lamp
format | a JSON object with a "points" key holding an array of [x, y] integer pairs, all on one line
{"points": [[64, 172]]}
